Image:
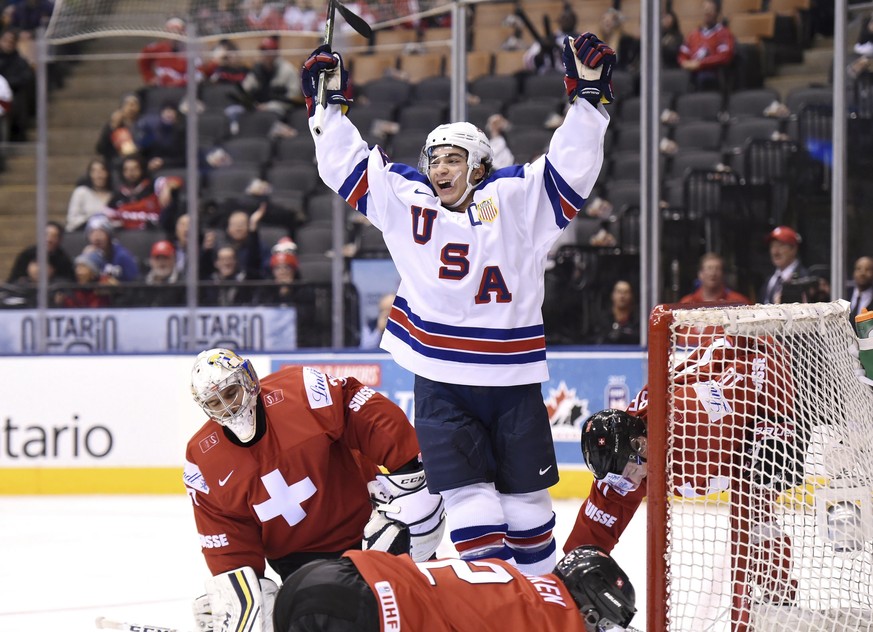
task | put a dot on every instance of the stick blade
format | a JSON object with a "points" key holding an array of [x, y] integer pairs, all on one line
{"points": [[354, 20]]}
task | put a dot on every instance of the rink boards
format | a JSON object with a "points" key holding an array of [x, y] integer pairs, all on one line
{"points": [[119, 424]]}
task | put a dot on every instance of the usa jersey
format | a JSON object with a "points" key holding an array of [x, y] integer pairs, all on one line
{"points": [[718, 389], [452, 594], [302, 487], [468, 309]]}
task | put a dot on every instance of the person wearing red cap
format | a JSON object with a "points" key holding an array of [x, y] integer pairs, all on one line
{"points": [[285, 270], [163, 278], [272, 83], [784, 242]]}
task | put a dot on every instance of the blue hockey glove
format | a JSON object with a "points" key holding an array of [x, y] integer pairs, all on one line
{"points": [[588, 64], [323, 60]]}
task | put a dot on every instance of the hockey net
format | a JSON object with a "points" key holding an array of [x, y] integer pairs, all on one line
{"points": [[760, 484]]}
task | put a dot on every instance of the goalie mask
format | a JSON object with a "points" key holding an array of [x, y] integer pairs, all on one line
{"points": [[467, 137], [599, 587], [614, 448], [226, 387]]}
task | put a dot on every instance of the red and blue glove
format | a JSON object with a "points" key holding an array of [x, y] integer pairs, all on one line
{"points": [[588, 64], [337, 88]]}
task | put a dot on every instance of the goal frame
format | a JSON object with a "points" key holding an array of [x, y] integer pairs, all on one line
{"points": [[657, 493], [660, 493]]}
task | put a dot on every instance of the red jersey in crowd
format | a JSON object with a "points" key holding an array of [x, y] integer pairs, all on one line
{"points": [[712, 47]]}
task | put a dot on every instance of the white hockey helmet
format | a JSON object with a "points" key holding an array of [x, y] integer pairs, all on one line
{"points": [[466, 136], [226, 387]]}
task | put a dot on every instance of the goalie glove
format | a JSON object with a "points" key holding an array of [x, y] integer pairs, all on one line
{"points": [[406, 517], [323, 60], [236, 601], [588, 64]]}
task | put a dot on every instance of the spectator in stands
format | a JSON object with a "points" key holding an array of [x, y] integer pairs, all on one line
{"points": [[783, 243], [862, 293], [226, 291], [165, 289], [91, 195], [22, 80], [120, 135], [711, 287], [58, 258], [671, 39], [120, 265], [621, 324], [138, 202], [23, 291], [300, 15], [241, 234], [89, 273], [863, 49], [284, 269], [6, 98], [496, 126], [272, 84], [542, 57], [626, 46], [162, 140], [226, 65], [215, 17], [164, 62], [263, 16], [708, 51], [28, 15]]}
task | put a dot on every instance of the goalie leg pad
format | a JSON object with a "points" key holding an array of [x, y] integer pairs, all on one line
{"points": [[236, 601]]}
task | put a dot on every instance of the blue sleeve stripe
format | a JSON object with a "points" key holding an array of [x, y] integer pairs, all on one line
{"points": [[351, 187], [565, 202]]}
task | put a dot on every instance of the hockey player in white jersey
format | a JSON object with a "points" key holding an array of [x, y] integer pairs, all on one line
{"points": [[471, 245]]}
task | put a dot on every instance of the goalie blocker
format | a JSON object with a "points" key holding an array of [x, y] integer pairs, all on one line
{"points": [[406, 518]]}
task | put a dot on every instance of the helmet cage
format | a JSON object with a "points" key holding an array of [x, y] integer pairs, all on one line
{"points": [[226, 388]]}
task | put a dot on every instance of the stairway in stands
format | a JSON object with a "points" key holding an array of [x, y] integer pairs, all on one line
{"points": [[76, 113]]}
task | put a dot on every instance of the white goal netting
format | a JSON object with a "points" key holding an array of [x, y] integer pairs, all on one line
{"points": [[769, 458]]}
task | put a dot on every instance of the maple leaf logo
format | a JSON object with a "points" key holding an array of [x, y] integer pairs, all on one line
{"points": [[564, 408]]}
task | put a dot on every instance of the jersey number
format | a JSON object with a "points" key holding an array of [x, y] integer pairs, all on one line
{"points": [[471, 572]]}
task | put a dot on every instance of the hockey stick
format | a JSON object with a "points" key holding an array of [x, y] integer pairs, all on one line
{"points": [[550, 47], [357, 23], [354, 20], [321, 93], [108, 624]]}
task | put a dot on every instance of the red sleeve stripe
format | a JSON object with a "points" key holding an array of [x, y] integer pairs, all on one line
{"points": [[523, 345]]}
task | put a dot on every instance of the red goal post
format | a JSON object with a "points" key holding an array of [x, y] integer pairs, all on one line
{"points": [[760, 470]]}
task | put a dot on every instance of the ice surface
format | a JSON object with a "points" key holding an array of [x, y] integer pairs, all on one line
{"points": [[67, 560]]}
